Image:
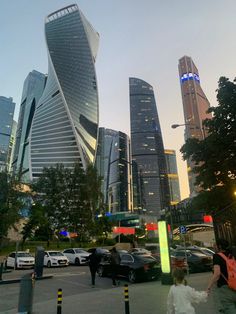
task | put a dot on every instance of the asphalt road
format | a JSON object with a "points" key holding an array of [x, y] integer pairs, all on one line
{"points": [[79, 297]]}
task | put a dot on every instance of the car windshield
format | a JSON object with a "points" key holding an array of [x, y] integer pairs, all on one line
{"points": [[23, 254], [208, 252], [102, 251], [145, 258], [200, 254], [55, 254], [80, 251]]}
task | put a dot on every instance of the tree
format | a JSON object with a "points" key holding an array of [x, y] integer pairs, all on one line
{"points": [[10, 203], [215, 156], [71, 198]]}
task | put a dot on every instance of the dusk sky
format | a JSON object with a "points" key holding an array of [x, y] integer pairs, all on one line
{"points": [[138, 38]]}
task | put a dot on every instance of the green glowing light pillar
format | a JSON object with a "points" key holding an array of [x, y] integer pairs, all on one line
{"points": [[166, 277]]}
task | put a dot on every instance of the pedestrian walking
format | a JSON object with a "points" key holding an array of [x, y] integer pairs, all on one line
{"points": [[181, 296], [94, 261], [115, 262], [225, 279]]}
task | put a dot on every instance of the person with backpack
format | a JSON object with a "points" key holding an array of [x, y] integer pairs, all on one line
{"points": [[224, 274]]}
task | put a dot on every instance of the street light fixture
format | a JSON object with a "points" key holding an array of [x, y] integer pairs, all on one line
{"points": [[174, 126]]}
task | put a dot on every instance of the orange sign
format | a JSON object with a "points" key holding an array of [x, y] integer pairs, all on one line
{"points": [[151, 226]]}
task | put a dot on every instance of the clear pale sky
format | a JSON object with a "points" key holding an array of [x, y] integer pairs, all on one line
{"points": [[138, 38]]}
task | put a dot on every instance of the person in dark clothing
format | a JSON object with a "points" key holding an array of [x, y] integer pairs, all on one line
{"points": [[94, 261], [226, 296], [115, 262]]}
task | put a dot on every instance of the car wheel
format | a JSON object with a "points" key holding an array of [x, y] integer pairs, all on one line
{"points": [[132, 276], [77, 261], [100, 271], [49, 264]]}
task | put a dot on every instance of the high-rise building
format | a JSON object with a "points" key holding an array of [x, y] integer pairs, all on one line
{"points": [[12, 143], [113, 165], [195, 105], [173, 177], [7, 108], [32, 91], [150, 183], [65, 123]]}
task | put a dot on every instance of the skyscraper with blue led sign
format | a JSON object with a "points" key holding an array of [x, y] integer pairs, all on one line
{"points": [[195, 105]]}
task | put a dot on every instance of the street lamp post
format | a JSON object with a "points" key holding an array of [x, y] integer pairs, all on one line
{"points": [[174, 126]]}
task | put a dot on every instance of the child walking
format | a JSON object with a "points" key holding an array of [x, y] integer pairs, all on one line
{"points": [[181, 296]]}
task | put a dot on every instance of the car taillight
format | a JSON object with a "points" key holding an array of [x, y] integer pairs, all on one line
{"points": [[146, 267]]}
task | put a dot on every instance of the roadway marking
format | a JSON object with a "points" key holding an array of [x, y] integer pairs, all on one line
{"points": [[68, 274]]}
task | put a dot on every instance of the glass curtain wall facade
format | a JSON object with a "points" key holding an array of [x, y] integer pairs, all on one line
{"points": [[12, 143], [65, 123], [150, 182], [7, 108], [32, 91], [195, 105], [105, 139], [119, 186], [173, 177], [113, 165]]}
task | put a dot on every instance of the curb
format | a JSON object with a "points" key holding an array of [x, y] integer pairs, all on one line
{"points": [[9, 281]]}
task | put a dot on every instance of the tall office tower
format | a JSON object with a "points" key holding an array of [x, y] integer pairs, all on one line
{"points": [[32, 91], [12, 143], [173, 177], [105, 138], [195, 105], [65, 123], [113, 165], [150, 183], [7, 108]]}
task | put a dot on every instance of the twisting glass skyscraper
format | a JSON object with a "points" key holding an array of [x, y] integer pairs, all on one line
{"points": [[150, 183], [65, 124]]}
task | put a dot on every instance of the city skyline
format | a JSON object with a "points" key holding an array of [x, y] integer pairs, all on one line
{"points": [[149, 50]]}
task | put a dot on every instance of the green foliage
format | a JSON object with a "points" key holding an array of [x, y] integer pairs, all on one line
{"points": [[10, 204], [214, 157], [67, 198]]}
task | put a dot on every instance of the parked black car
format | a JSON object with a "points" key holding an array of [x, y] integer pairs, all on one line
{"points": [[132, 266], [197, 261]]}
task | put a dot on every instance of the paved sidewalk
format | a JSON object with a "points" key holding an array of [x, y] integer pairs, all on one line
{"points": [[145, 298]]}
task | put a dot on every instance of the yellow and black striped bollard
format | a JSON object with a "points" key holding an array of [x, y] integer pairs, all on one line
{"points": [[126, 294], [59, 301]]}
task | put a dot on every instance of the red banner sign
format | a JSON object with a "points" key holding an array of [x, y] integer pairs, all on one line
{"points": [[124, 230]]}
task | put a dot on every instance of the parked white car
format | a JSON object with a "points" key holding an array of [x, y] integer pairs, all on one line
{"points": [[77, 256], [55, 258], [20, 259]]}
